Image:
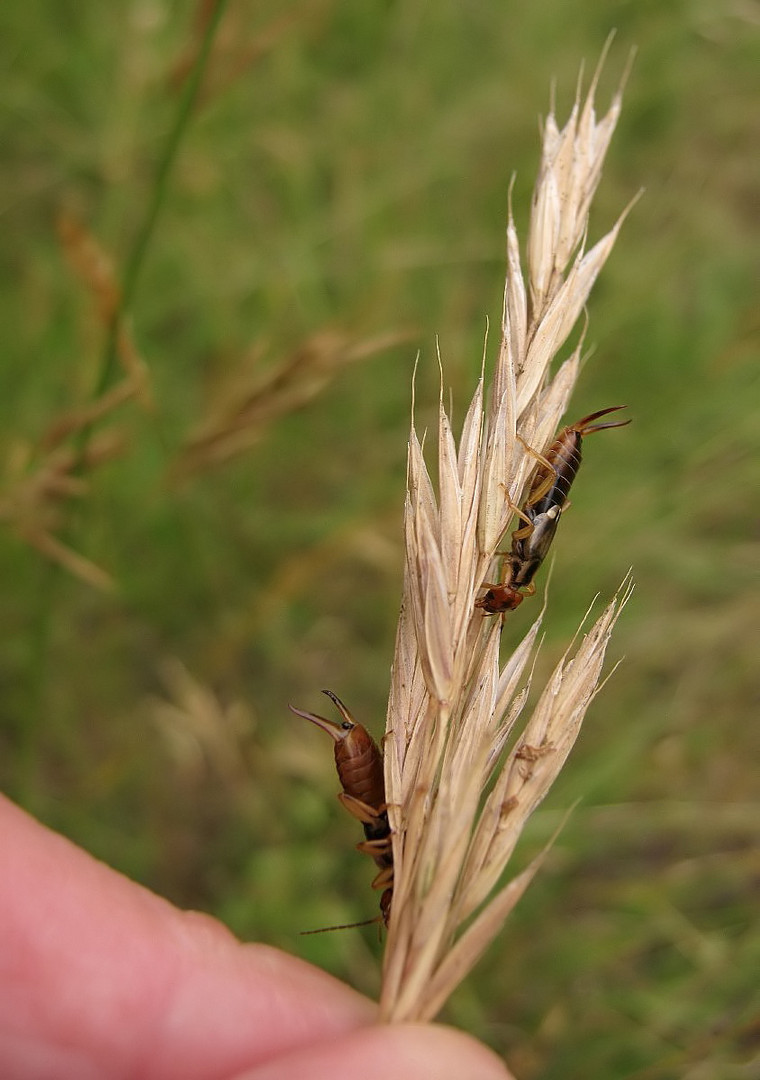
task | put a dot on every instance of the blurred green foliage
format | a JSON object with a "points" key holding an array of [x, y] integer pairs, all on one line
{"points": [[346, 168]]}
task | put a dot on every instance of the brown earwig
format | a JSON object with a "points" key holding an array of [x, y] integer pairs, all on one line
{"points": [[547, 498], [359, 762]]}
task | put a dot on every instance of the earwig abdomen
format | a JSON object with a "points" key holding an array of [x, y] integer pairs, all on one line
{"points": [[564, 455], [359, 763], [360, 767]]}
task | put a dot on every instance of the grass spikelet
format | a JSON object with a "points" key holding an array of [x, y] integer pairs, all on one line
{"points": [[200, 731], [252, 402], [454, 707], [38, 482], [38, 479], [93, 266]]}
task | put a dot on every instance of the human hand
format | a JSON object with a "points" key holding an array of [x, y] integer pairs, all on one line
{"points": [[101, 978]]}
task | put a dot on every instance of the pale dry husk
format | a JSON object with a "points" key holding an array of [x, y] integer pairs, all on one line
{"points": [[454, 707]]}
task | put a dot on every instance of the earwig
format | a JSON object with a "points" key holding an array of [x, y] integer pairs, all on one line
{"points": [[540, 514], [360, 770]]}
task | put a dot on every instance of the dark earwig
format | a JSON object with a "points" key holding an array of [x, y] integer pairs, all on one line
{"points": [[540, 514], [360, 770]]}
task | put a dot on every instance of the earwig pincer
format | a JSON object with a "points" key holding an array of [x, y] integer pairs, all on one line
{"points": [[360, 770], [540, 514]]}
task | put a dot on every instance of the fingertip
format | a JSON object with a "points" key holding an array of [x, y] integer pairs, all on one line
{"points": [[446, 1053], [403, 1051]]}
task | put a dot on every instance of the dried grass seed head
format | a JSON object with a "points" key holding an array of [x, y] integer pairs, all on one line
{"points": [[453, 707]]}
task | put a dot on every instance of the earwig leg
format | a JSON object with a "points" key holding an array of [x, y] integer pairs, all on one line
{"points": [[506, 571], [524, 532], [528, 527], [528, 524], [515, 510], [360, 810], [383, 879], [534, 453], [546, 485], [375, 848], [523, 516]]}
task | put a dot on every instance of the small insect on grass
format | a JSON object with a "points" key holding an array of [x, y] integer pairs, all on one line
{"points": [[540, 514], [359, 762]]}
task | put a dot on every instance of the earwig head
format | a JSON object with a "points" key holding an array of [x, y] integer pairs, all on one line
{"points": [[498, 599], [585, 427], [337, 731]]}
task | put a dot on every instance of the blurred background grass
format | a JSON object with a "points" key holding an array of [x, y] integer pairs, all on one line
{"points": [[344, 176]]}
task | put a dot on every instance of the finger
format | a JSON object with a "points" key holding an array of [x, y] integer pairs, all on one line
{"points": [[403, 1051], [99, 977]]}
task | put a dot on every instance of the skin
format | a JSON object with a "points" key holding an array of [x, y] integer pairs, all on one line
{"points": [[100, 978]]}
